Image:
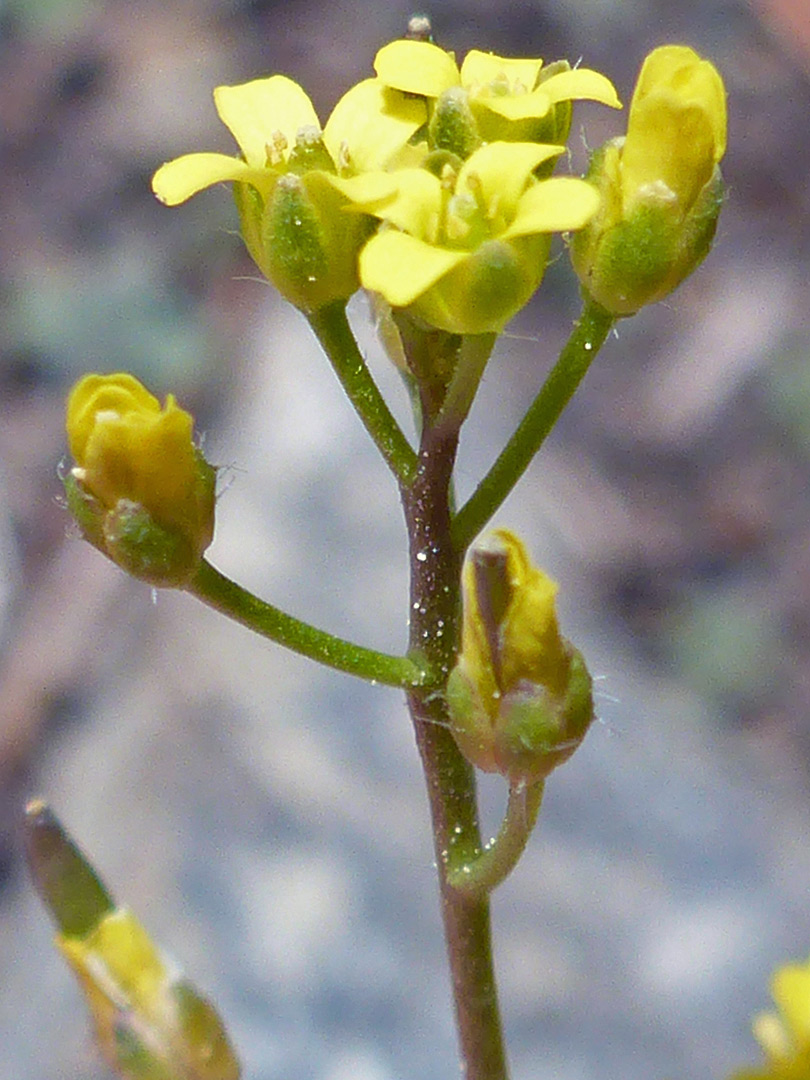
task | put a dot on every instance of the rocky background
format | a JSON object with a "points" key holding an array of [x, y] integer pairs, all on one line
{"points": [[265, 818]]}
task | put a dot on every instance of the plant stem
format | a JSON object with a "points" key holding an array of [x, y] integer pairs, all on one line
{"points": [[586, 339], [494, 863], [473, 354], [331, 327], [435, 584], [219, 592]]}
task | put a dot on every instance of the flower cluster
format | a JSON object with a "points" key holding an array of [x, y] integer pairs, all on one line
{"points": [[453, 162]]}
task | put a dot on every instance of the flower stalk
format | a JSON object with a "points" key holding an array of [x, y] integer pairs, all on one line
{"points": [[586, 340], [331, 327], [219, 592]]}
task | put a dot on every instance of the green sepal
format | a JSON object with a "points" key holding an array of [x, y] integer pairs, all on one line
{"points": [[537, 733], [129, 535], [134, 1059], [628, 260], [453, 126], [309, 153], [250, 207], [208, 1052], [86, 510], [135, 541], [69, 887], [482, 293], [310, 242]]}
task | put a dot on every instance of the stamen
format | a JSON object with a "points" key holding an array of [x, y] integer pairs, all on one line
{"points": [[275, 149]]}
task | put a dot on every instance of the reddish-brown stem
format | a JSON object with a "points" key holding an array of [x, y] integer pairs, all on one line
{"points": [[435, 577]]}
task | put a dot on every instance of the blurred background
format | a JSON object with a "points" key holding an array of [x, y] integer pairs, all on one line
{"points": [[266, 819]]}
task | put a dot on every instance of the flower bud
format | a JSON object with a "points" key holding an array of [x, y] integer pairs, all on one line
{"points": [[520, 696], [661, 185], [140, 490], [452, 126], [306, 241], [150, 1022]]}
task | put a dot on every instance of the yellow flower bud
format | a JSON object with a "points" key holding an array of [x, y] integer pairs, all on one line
{"points": [[452, 126], [520, 695], [140, 490], [661, 185]]}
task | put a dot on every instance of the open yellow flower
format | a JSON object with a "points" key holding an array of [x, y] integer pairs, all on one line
{"points": [[273, 119], [293, 181], [661, 185], [466, 250], [510, 99], [140, 489]]}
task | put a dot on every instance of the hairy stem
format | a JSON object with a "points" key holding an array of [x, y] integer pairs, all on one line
{"points": [[435, 583]]}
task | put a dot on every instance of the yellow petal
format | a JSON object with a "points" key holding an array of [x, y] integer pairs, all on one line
{"points": [[367, 191], [518, 106], [661, 64], [554, 205], [503, 169], [119, 393], [480, 69], [668, 142], [418, 67], [375, 122], [582, 84], [402, 268], [178, 180], [416, 204], [256, 111], [693, 80]]}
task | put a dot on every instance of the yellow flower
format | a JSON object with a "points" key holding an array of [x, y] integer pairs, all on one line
{"points": [[140, 489], [520, 695], [661, 185], [510, 100], [292, 181], [469, 248]]}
